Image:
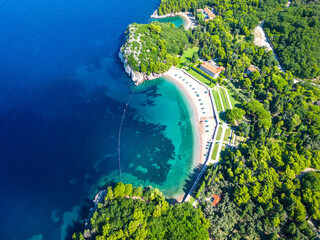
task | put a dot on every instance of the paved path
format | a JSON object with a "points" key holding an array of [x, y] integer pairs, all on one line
{"points": [[214, 140]]}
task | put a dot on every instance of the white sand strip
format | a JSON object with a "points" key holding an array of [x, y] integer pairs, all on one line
{"points": [[186, 18], [200, 98]]}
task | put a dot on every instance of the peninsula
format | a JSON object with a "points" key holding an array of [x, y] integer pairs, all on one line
{"points": [[151, 49]]}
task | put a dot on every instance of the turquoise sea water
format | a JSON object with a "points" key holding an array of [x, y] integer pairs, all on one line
{"points": [[176, 20], [62, 94], [162, 162]]}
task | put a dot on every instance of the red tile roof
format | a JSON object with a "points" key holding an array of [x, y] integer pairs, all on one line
{"points": [[252, 68], [207, 10], [215, 70], [211, 15], [216, 200]]}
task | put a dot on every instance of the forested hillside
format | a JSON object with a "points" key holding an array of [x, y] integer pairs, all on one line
{"points": [[264, 195], [135, 213], [153, 48], [260, 181], [294, 31], [295, 34], [241, 15]]}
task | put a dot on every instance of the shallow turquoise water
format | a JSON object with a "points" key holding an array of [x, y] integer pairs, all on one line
{"points": [[176, 20], [149, 159]]}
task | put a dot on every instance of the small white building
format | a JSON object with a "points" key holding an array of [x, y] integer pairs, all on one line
{"points": [[212, 69]]}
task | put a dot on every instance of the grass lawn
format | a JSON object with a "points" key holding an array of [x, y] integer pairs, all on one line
{"points": [[191, 201], [219, 133], [224, 99], [215, 151], [227, 135], [232, 96], [187, 55], [217, 100], [200, 77]]}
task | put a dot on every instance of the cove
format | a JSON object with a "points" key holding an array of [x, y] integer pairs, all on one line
{"points": [[176, 20], [62, 91]]}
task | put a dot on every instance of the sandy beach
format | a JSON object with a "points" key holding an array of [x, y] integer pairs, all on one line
{"points": [[187, 16], [205, 123]]}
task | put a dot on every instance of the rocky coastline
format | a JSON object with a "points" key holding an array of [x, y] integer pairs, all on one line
{"points": [[155, 15], [137, 77], [126, 50]]}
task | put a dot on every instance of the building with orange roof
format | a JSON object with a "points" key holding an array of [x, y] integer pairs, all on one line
{"points": [[207, 13], [251, 69], [216, 200], [212, 69]]}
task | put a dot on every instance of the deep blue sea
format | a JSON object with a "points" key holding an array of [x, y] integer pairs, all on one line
{"points": [[62, 94]]}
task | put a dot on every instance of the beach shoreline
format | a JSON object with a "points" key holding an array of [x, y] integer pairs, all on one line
{"points": [[186, 18], [196, 129], [181, 14], [202, 114]]}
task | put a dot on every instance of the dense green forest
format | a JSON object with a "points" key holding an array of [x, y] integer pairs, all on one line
{"points": [[240, 14], [153, 48], [263, 194], [294, 31], [135, 213], [295, 34]]}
